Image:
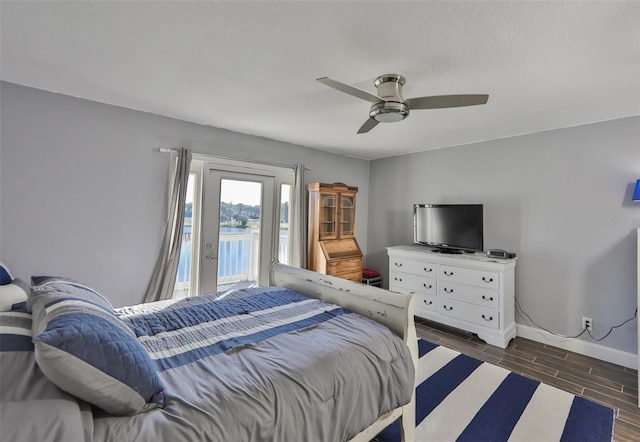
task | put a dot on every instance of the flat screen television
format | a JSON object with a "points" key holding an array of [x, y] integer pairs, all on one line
{"points": [[449, 228]]}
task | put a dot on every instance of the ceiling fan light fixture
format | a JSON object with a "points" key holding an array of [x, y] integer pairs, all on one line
{"points": [[389, 111]]}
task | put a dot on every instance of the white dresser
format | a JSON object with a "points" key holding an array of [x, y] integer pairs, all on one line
{"points": [[471, 292]]}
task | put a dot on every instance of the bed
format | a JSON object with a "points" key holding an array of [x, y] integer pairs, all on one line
{"points": [[311, 357]]}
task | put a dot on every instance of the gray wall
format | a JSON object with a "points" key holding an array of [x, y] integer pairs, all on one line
{"points": [[559, 199], [83, 194]]}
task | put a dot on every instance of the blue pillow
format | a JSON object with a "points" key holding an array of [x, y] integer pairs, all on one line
{"points": [[86, 350], [5, 275]]}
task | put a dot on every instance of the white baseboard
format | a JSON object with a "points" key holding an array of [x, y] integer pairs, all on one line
{"points": [[623, 358]]}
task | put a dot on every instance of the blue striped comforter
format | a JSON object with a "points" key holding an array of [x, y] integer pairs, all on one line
{"points": [[179, 333], [263, 364]]}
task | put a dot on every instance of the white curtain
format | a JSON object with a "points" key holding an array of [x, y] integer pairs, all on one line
{"points": [[299, 224], [164, 275]]}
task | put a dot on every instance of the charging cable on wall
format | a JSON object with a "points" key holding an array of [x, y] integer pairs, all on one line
{"points": [[585, 330]]}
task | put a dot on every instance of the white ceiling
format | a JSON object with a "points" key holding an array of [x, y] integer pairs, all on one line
{"points": [[251, 67]]}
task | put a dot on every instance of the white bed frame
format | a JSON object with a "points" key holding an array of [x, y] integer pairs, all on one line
{"points": [[391, 309]]}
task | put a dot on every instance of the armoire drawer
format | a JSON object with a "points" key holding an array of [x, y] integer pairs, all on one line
{"points": [[486, 317], [478, 278], [353, 276], [341, 266]]}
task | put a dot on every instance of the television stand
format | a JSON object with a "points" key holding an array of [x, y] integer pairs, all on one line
{"points": [[471, 292]]}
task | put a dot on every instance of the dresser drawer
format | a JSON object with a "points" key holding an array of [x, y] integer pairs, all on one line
{"points": [[414, 267], [475, 295], [478, 278], [463, 311], [426, 302], [340, 266], [414, 283]]}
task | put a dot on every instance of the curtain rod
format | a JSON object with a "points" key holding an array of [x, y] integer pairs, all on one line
{"points": [[173, 149]]}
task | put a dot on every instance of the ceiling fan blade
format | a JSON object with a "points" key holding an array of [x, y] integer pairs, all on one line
{"points": [[367, 126], [442, 101], [349, 89]]}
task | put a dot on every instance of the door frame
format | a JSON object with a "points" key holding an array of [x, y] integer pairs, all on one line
{"points": [[273, 177], [210, 242]]}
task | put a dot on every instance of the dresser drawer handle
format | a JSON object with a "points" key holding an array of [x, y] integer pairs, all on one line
{"points": [[448, 273], [448, 290], [397, 279], [425, 286], [427, 302], [398, 264], [428, 270], [487, 280], [487, 319], [490, 298], [447, 308]]}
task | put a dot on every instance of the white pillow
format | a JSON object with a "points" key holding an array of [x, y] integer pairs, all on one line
{"points": [[13, 293]]}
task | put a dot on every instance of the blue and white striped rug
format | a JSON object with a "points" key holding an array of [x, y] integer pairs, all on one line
{"points": [[459, 398]]}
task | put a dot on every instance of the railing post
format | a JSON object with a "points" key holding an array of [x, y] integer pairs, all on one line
{"points": [[253, 258]]}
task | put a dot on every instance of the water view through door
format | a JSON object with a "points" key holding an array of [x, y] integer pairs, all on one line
{"points": [[236, 223], [237, 229], [239, 234]]}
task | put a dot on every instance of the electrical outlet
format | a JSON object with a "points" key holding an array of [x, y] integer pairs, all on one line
{"points": [[587, 323]]}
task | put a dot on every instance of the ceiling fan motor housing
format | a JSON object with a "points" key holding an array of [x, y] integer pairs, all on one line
{"points": [[393, 108]]}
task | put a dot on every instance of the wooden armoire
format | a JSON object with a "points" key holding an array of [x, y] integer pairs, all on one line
{"points": [[333, 249]]}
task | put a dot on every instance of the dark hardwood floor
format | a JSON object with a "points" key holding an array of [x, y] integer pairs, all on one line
{"points": [[600, 381]]}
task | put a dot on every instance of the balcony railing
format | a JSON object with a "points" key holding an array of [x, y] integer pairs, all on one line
{"points": [[237, 259]]}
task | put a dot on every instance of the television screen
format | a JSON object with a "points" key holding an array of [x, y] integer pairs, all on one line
{"points": [[449, 227]]}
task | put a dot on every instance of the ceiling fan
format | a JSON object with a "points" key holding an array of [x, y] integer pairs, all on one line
{"points": [[390, 106]]}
